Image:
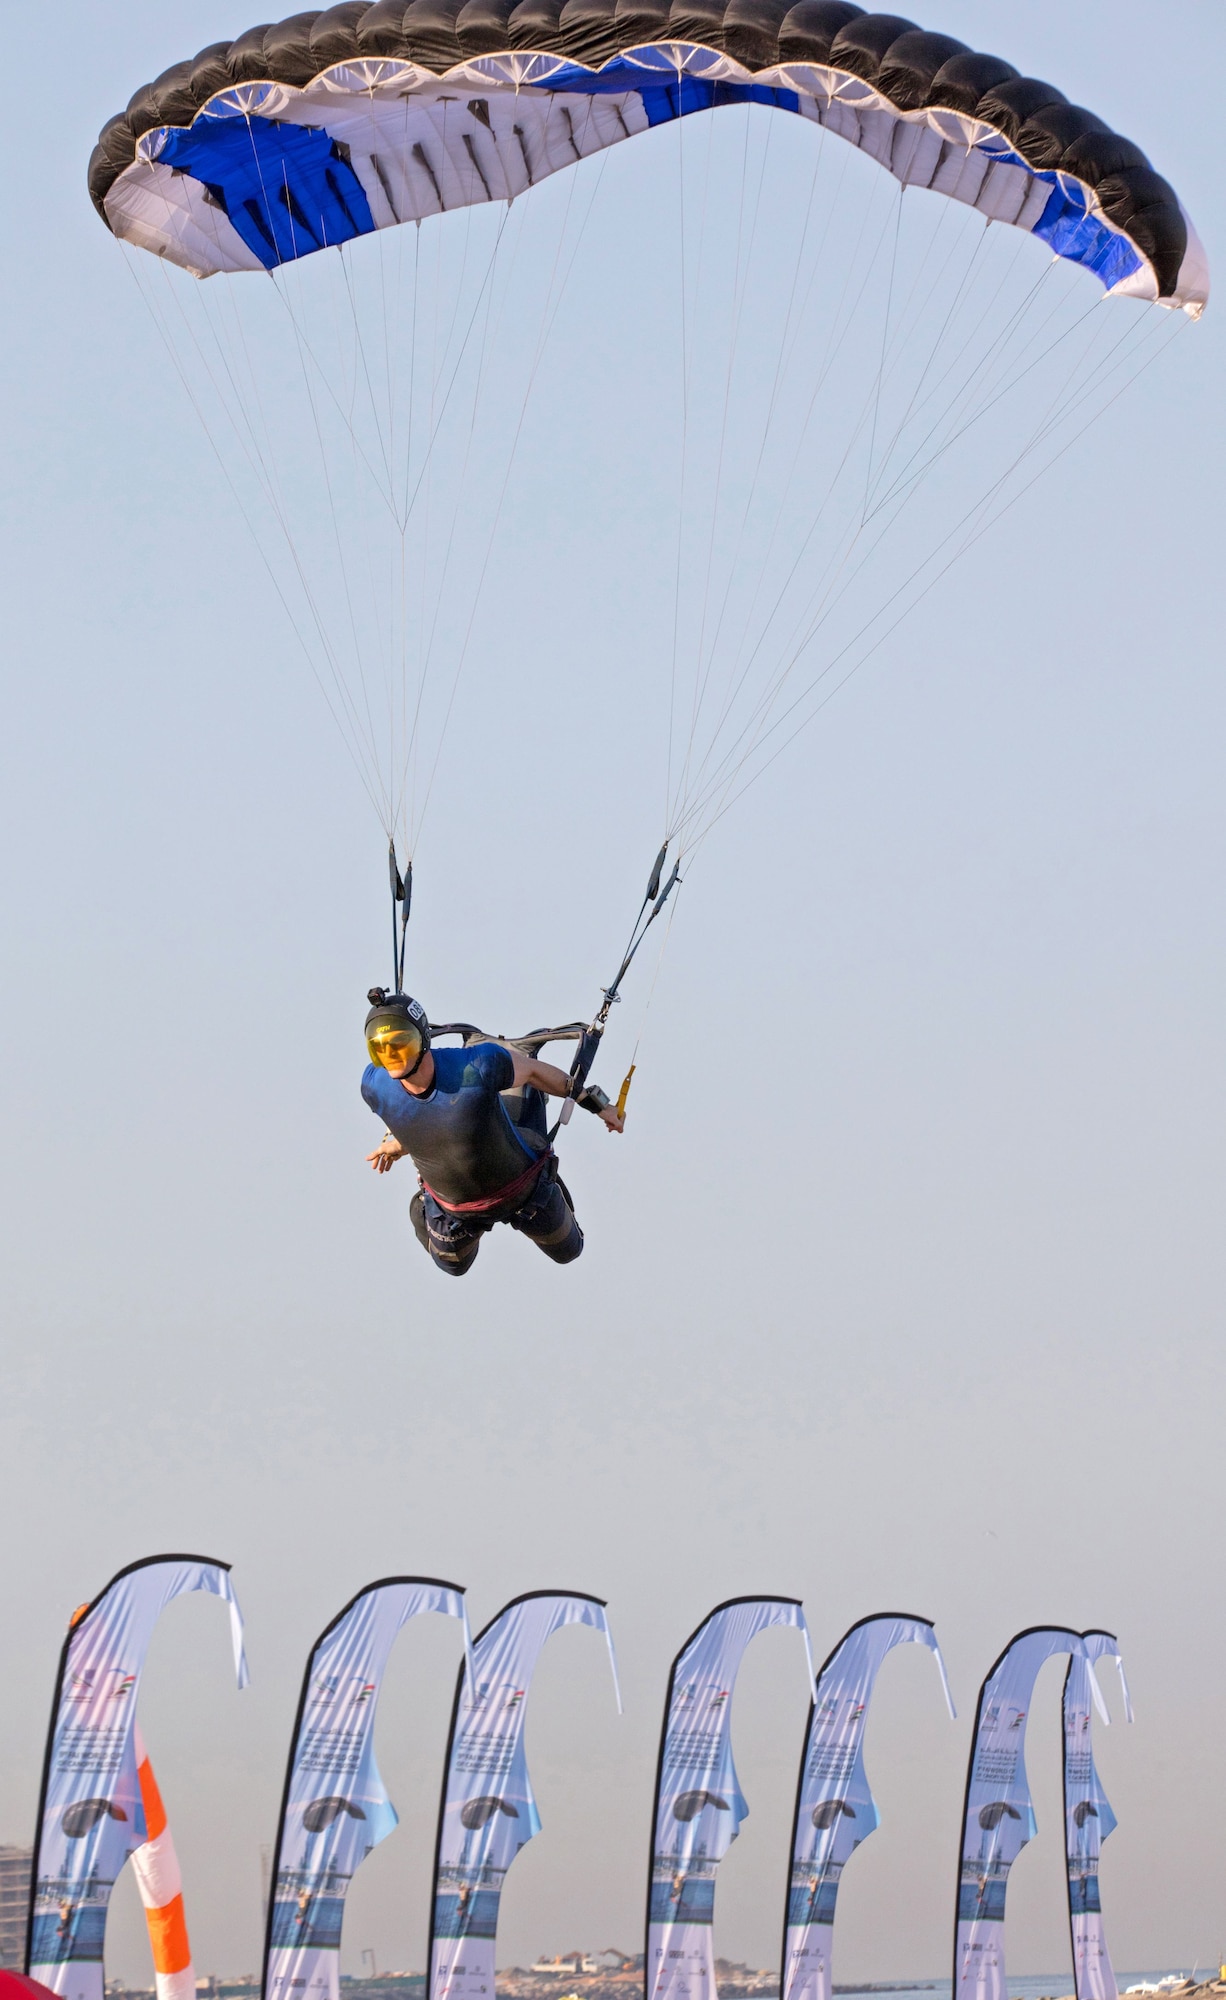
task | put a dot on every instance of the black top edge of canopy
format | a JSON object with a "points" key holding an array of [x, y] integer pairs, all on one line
{"points": [[911, 67]]}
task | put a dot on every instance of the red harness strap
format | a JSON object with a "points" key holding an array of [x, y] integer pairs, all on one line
{"points": [[519, 1185]]}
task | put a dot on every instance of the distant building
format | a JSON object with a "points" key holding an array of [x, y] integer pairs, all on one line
{"points": [[570, 1965], [587, 1964], [15, 1865]]}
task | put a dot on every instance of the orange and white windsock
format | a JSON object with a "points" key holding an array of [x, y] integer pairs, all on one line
{"points": [[161, 1891]]}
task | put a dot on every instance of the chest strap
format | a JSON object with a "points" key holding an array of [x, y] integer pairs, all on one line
{"points": [[520, 1185]]}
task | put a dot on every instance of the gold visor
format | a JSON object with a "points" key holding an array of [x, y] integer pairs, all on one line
{"points": [[394, 1043]]}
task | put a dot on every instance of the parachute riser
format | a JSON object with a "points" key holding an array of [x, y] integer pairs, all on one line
{"points": [[590, 1040], [402, 903]]}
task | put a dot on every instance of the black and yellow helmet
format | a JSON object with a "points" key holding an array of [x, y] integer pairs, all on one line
{"points": [[396, 1026]]}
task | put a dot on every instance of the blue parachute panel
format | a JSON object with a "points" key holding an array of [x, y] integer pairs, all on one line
{"points": [[287, 189], [1081, 238], [664, 101]]}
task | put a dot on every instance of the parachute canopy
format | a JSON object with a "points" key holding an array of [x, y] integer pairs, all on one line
{"points": [[829, 381], [332, 125]]}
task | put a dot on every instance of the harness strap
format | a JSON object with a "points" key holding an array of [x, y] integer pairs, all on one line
{"points": [[519, 1185]]}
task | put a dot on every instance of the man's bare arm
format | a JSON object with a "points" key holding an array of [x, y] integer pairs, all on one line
{"points": [[546, 1076], [555, 1083]]}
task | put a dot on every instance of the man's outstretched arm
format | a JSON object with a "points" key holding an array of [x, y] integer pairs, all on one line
{"points": [[555, 1083]]}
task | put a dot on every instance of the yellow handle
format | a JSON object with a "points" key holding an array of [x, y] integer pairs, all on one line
{"points": [[624, 1092]]}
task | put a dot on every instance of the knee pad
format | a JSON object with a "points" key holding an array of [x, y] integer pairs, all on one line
{"points": [[567, 1251], [454, 1262]]}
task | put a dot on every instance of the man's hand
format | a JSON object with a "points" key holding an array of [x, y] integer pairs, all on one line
{"points": [[612, 1120], [385, 1155]]}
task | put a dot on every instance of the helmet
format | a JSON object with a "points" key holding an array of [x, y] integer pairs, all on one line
{"points": [[396, 1026]]}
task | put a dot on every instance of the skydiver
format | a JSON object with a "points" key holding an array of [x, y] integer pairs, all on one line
{"points": [[476, 1166]]}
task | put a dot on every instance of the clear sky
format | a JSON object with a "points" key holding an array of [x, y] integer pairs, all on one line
{"points": [[904, 1288]]}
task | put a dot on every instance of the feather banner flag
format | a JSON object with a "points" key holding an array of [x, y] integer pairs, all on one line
{"points": [[335, 1808], [998, 1816], [488, 1812], [835, 1810], [91, 1815], [699, 1807], [1088, 1819]]}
